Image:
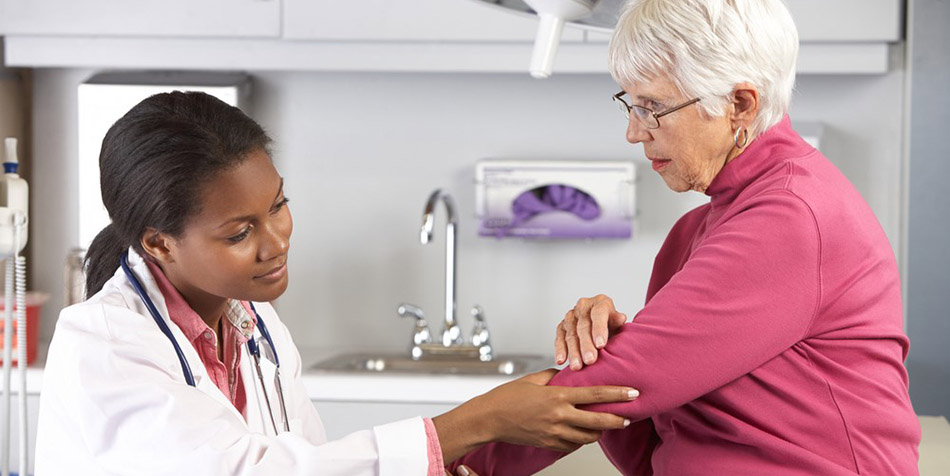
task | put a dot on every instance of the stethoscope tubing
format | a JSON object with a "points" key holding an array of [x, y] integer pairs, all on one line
{"points": [[256, 353], [185, 368], [252, 346]]}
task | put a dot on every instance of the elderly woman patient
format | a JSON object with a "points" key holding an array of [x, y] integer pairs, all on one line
{"points": [[771, 340]]}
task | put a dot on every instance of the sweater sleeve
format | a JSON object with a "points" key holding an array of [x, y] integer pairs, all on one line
{"points": [[749, 291]]}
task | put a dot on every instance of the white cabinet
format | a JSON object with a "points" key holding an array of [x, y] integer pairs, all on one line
{"points": [[848, 20], [408, 21], [163, 18], [838, 37]]}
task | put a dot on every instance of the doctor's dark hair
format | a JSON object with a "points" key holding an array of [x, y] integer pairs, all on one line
{"points": [[153, 165]]}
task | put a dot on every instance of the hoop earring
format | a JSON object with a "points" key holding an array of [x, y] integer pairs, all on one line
{"points": [[745, 137]]}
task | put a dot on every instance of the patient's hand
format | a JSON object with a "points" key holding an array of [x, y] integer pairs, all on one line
{"points": [[585, 329]]}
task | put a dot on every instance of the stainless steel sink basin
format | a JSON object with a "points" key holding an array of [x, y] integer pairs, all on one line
{"points": [[401, 363]]}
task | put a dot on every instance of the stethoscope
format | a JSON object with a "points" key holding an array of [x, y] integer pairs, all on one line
{"points": [[252, 346]]}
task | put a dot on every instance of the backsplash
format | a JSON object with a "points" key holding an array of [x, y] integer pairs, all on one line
{"points": [[360, 154]]}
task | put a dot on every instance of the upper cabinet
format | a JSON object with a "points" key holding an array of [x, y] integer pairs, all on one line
{"points": [[408, 20], [848, 20], [141, 18], [839, 36]]}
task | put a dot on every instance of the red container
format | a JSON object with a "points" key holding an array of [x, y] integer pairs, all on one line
{"points": [[34, 301]]}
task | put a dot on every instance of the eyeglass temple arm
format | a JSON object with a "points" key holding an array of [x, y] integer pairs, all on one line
{"points": [[677, 108]]}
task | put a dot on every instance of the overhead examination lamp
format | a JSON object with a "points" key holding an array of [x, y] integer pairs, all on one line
{"points": [[596, 15]]}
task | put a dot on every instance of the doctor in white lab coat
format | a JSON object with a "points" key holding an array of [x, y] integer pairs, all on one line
{"points": [[199, 208], [115, 401]]}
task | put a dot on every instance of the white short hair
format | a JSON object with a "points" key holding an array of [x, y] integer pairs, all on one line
{"points": [[706, 47]]}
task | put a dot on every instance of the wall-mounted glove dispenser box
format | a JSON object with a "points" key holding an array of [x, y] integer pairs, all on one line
{"points": [[555, 199]]}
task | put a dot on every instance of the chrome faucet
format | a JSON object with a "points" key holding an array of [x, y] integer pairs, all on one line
{"points": [[420, 334], [451, 334], [480, 336], [452, 345]]}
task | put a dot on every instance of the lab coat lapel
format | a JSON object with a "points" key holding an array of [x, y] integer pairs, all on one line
{"points": [[203, 381], [258, 414], [257, 418]]}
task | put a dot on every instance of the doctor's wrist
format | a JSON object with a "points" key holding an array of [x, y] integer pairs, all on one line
{"points": [[464, 429]]}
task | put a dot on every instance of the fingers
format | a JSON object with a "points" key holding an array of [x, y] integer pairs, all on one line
{"points": [[560, 345], [570, 338], [585, 329], [600, 319], [584, 337], [600, 394], [616, 320], [592, 329], [597, 421], [563, 445], [580, 436]]}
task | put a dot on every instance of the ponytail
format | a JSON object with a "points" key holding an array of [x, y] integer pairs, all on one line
{"points": [[102, 258]]}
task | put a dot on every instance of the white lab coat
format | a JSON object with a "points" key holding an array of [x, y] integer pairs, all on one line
{"points": [[115, 401]]}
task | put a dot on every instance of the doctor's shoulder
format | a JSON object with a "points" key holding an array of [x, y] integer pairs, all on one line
{"points": [[111, 315]]}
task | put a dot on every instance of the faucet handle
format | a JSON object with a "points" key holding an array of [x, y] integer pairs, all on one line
{"points": [[421, 334], [408, 310], [480, 336]]}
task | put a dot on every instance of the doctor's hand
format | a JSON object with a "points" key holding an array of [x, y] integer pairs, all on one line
{"points": [[585, 330], [528, 412]]}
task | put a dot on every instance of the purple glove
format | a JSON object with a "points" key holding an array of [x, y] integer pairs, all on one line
{"points": [[549, 198]]}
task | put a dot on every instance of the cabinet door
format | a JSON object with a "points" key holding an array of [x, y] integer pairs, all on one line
{"points": [[178, 18], [848, 20], [409, 20], [837, 21]]}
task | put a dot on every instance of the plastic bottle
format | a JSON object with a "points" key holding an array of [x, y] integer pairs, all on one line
{"points": [[14, 197]]}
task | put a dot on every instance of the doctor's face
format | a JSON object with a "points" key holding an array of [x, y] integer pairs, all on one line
{"points": [[236, 246]]}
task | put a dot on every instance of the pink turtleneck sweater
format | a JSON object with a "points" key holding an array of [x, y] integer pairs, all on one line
{"points": [[771, 341]]}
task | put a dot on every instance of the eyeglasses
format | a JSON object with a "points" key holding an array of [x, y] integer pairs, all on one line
{"points": [[648, 117]]}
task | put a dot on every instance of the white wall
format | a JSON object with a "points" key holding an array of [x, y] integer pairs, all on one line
{"points": [[361, 152]]}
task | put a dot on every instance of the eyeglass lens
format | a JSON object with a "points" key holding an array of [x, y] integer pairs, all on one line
{"points": [[642, 114]]}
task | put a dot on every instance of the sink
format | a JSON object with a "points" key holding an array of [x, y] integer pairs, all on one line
{"points": [[404, 364]]}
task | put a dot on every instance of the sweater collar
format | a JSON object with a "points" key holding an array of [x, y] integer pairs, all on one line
{"points": [[770, 148]]}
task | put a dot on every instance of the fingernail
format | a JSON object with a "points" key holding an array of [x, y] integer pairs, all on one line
{"points": [[626, 422], [599, 342], [464, 471], [559, 359], [588, 357], [575, 364], [633, 393]]}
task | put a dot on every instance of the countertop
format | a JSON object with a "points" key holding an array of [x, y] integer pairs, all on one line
{"points": [[392, 387], [360, 387]]}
